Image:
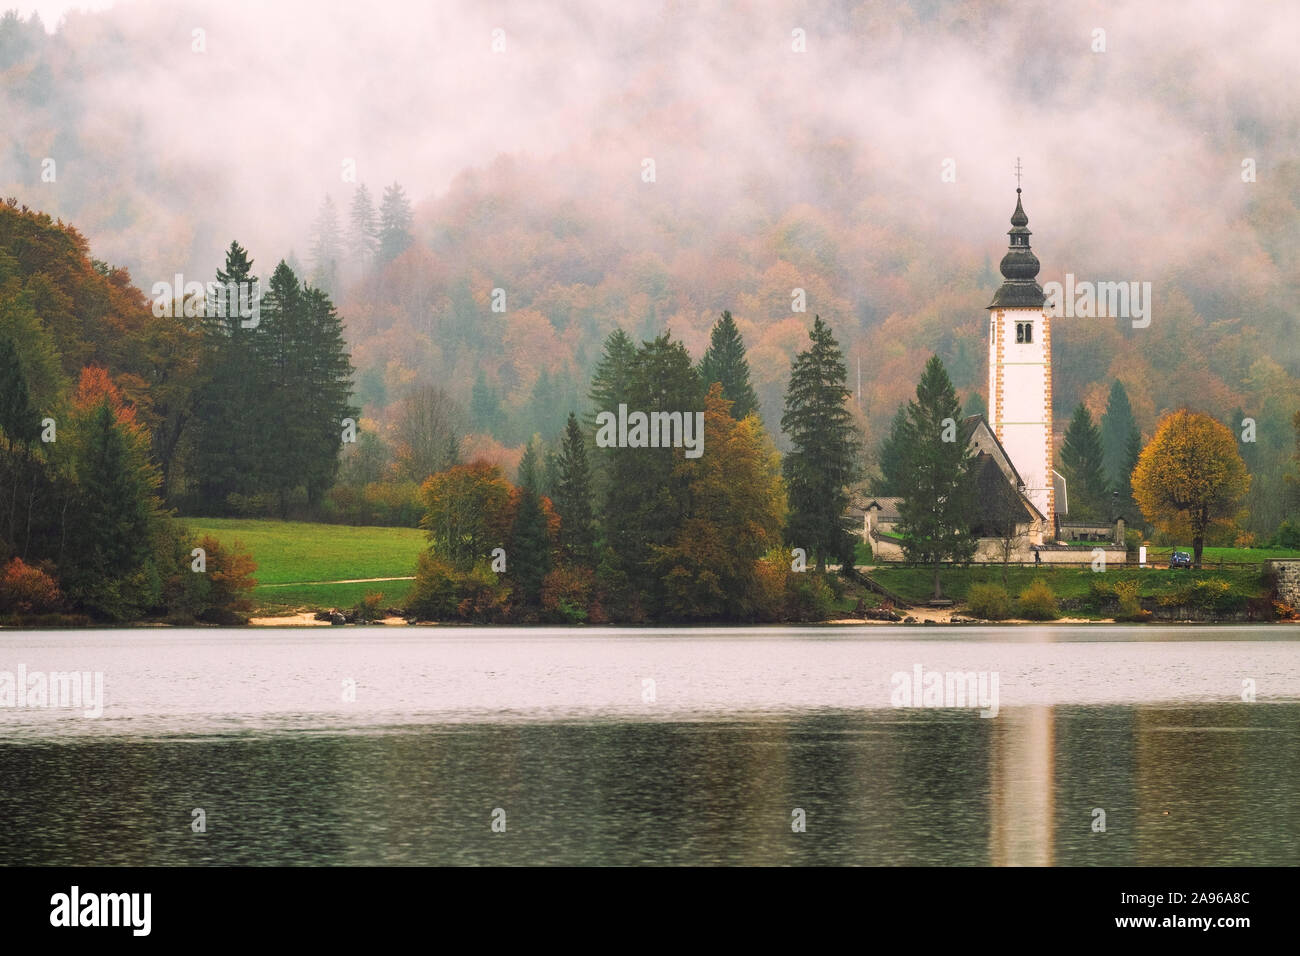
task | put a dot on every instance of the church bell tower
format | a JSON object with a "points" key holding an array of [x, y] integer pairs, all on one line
{"points": [[1020, 368]]}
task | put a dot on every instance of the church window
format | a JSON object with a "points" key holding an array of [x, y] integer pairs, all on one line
{"points": [[1024, 333]]}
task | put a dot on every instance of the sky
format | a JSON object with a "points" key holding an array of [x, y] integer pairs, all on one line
{"points": [[1128, 149]]}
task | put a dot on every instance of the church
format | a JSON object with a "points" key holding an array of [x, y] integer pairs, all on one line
{"points": [[1022, 499]]}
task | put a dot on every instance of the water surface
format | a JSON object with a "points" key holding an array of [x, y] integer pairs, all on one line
{"points": [[386, 745]]}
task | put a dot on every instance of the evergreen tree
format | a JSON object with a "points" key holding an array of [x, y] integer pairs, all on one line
{"points": [[323, 388], [1117, 428], [485, 406], [938, 508], [609, 381], [975, 405], [530, 541], [646, 494], [395, 219], [891, 482], [231, 393], [363, 232], [19, 422], [822, 461], [1084, 468], [725, 362], [574, 496], [107, 565], [326, 247]]}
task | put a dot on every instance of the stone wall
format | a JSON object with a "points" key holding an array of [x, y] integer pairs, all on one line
{"points": [[1288, 581]]}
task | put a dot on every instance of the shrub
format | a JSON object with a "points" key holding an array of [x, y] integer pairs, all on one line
{"points": [[989, 601], [808, 597], [1288, 535], [566, 594], [1038, 603], [441, 592], [1130, 603], [28, 590], [369, 608]]}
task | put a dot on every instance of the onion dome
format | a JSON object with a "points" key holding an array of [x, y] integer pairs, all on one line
{"points": [[1019, 267]]}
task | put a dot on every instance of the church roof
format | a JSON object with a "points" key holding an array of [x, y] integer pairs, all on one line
{"points": [[1002, 506], [1019, 267]]}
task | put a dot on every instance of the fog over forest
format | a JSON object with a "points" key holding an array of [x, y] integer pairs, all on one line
{"points": [[795, 145]]}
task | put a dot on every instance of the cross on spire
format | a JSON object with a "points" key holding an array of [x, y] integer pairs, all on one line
{"points": [[1017, 174]]}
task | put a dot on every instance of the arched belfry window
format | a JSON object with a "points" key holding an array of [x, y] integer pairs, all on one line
{"points": [[1024, 333]]}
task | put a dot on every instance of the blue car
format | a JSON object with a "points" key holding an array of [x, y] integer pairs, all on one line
{"points": [[1181, 559]]}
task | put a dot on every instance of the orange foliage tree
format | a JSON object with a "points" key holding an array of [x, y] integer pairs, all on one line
{"points": [[1189, 476]]}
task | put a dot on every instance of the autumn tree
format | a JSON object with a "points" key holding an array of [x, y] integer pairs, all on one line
{"points": [[725, 362], [468, 512], [425, 424], [822, 461], [1190, 475], [938, 507], [710, 568]]}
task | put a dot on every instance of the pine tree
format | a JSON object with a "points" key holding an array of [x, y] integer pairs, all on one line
{"points": [[938, 507], [725, 362], [975, 405], [1117, 427], [1084, 469], [530, 542], [823, 460], [363, 232], [574, 496], [395, 219]]}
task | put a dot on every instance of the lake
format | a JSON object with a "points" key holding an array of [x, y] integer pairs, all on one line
{"points": [[783, 745]]}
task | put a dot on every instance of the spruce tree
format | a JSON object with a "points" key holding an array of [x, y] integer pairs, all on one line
{"points": [[938, 507], [891, 482], [107, 562], [323, 384], [395, 219], [363, 231], [1117, 425], [725, 362], [609, 381], [326, 247], [822, 462], [646, 494], [530, 542], [1087, 490], [229, 402], [574, 496]]}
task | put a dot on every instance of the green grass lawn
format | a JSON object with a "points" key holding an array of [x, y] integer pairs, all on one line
{"points": [[916, 584], [301, 553], [1160, 555]]}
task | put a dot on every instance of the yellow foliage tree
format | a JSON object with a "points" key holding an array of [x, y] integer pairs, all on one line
{"points": [[1190, 475]]}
